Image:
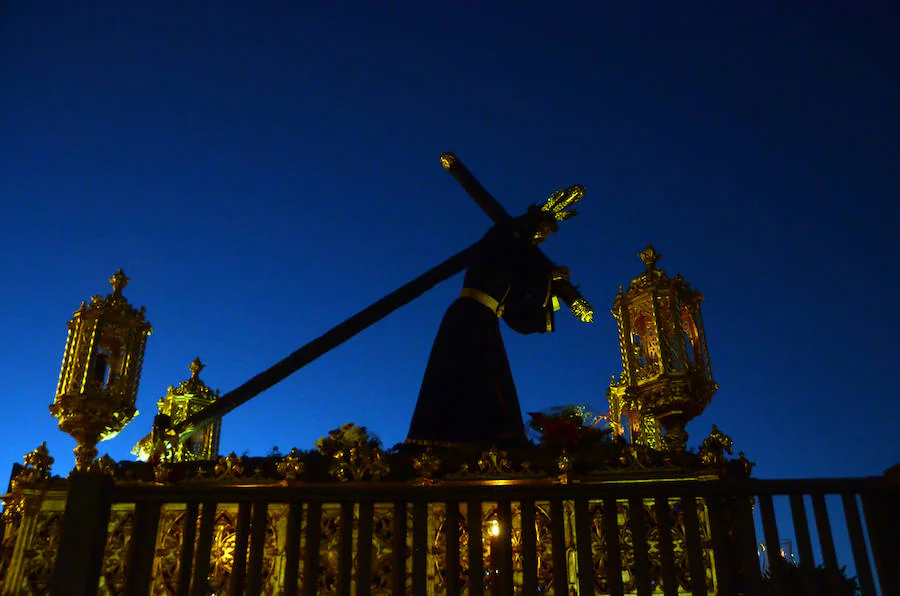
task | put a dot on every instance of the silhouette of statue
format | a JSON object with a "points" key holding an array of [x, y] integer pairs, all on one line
{"points": [[468, 394]]}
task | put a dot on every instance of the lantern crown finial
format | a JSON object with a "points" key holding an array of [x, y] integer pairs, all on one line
{"points": [[118, 281], [649, 256], [196, 367]]}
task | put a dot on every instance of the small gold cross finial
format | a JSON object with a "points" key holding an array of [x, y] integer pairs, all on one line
{"points": [[119, 280], [196, 366], [649, 256]]}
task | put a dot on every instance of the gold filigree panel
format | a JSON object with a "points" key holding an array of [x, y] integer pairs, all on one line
{"points": [[331, 526], [383, 551], [40, 557], [170, 543], [7, 546], [491, 531], [624, 515], [115, 555]]}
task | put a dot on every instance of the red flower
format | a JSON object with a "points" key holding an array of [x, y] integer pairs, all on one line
{"points": [[561, 431]]}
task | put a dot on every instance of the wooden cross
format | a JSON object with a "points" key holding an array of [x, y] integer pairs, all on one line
{"points": [[373, 313]]}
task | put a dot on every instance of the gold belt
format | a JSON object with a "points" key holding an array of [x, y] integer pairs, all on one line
{"points": [[484, 299]]}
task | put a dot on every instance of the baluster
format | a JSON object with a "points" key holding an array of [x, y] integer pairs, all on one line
{"points": [[804, 547], [186, 557], [292, 547], [239, 558], [883, 539], [311, 554], [364, 548], [773, 544], [528, 546], [613, 548], [694, 546], [345, 546], [751, 577], [257, 547], [420, 547], [200, 583], [79, 558], [584, 547], [476, 554], [858, 544], [143, 547], [558, 547], [827, 543], [451, 528], [722, 552], [502, 560], [666, 552], [398, 549], [641, 569]]}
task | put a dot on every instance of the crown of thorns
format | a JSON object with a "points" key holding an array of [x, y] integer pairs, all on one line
{"points": [[561, 200]]}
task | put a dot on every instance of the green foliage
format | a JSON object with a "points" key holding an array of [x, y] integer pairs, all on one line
{"points": [[794, 578], [347, 436]]}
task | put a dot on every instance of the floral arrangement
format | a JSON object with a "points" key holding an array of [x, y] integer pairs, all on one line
{"points": [[353, 452], [569, 426], [346, 436]]}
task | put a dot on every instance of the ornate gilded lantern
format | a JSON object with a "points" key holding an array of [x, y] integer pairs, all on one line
{"points": [[191, 396], [101, 370], [666, 379]]}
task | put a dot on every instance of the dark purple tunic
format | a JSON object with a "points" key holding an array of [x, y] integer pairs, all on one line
{"points": [[468, 394]]}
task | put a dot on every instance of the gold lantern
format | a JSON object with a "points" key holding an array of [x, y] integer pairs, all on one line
{"points": [[101, 370], [189, 397], [666, 378]]}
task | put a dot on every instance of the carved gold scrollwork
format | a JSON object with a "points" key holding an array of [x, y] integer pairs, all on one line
{"points": [[38, 463], [329, 550], [542, 524], [41, 553], [290, 467], [359, 462], [167, 563], [563, 466], [494, 461], [161, 472], [746, 464], [382, 551], [37, 468], [105, 465], [714, 448], [426, 464], [115, 555], [228, 467], [7, 545], [221, 556]]}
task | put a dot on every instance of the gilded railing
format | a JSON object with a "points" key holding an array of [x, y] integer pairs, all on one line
{"points": [[613, 536]]}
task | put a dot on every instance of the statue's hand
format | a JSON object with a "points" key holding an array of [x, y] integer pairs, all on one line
{"points": [[561, 287], [582, 309]]}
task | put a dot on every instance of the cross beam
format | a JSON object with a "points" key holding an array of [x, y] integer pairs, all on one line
{"points": [[323, 344], [366, 317]]}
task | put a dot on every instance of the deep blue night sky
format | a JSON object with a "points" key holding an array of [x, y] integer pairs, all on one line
{"points": [[262, 173]]}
